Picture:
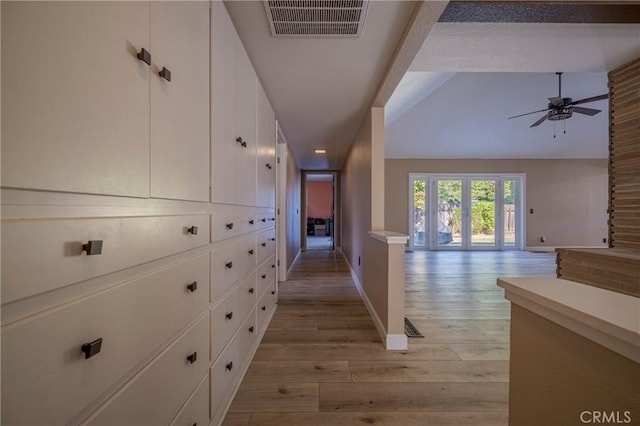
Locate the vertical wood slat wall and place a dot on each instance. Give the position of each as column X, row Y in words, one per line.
column 624, row 156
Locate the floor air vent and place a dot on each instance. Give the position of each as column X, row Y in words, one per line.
column 316, row 18
column 410, row 330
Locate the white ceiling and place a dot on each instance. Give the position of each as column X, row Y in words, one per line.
column 321, row 88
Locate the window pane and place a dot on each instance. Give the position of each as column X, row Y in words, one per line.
column 509, row 212
column 450, row 212
column 419, row 216
column 483, row 212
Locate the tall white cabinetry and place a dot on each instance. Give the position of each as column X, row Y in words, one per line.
column 138, row 232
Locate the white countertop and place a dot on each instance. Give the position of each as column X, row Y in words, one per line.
column 606, row 317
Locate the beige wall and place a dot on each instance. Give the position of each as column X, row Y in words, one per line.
column 569, row 197
column 293, row 208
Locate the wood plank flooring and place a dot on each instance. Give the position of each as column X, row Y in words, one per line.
column 321, row 361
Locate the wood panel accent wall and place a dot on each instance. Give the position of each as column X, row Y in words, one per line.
column 624, row 156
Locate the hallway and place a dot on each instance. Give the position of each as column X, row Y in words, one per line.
column 322, row 362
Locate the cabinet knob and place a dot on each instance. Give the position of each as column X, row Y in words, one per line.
column 264, row 244
column 264, row 276
column 273, row 219
column 229, row 315
column 229, row 366
column 165, row 73
column 144, row 56
column 264, row 308
column 228, row 265
column 273, row 292
column 193, row 230
column 93, row 247
column 264, row 219
column 251, row 329
column 251, row 290
column 273, row 266
column 268, row 166
column 92, row 348
column 272, row 239
column 229, row 226
column 192, row 358
column 193, row 286
column 251, row 251
column 241, row 142
column 251, row 222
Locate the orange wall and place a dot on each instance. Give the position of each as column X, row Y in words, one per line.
column 319, row 195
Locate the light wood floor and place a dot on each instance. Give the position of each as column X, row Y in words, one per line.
column 321, row 361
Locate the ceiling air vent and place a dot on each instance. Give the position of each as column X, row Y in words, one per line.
column 316, row 18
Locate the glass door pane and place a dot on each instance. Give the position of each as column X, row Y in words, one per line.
column 419, row 213
column 483, row 213
column 509, row 213
column 449, row 213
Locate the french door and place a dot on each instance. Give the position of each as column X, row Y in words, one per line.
column 466, row 212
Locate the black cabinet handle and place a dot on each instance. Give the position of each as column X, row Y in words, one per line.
column 229, row 226
column 273, row 266
column 273, row 219
column 193, row 230
column 241, row 142
column 93, row 247
column 251, row 290
column 251, row 251
column 229, row 315
column 264, row 244
column 193, row 286
column 92, row 348
column 264, row 308
column 228, row 265
column 264, row 219
column 272, row 239
column 229, row 366
column 165, row 73
column 251, row 222
column 273, row 292
column 251, row 329
column 269, row 166
column 264, row 276
column 192, row 358
column 144, row 56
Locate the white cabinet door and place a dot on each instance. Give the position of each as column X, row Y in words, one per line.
column 75, row 98
column 233, row 115
column 266, row 159
column 180, row 107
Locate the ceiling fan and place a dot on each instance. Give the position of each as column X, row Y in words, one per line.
column 560, row 108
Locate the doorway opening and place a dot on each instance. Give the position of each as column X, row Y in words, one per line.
column 319, row 225
column 466, row 212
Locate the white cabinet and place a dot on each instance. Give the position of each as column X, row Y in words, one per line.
column 266, row 156
column 75, row 99
column 233, row 115
column 180, row 107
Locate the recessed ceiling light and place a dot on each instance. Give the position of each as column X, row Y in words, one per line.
column 320, row 151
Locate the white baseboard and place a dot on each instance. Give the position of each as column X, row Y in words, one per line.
column 392, row 342
column 550, row 249
column 292, row 263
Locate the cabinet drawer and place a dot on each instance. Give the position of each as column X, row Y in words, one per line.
column 45, row 376
column 155, row 394
column 227, row 316
column 266, row 275
column 230, row 221
column 196, row 409
column 266, row 243
column 231, row 261
column 266, row 304
column 56, row 247
column 225, row 370
column 265, row 219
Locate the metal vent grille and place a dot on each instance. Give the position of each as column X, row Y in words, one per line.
column 316, row 18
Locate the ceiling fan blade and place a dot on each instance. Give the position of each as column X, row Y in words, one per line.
column 528, row 113
column 591, row 99
column 539, row 122
column 585, row 111
column 556, row 101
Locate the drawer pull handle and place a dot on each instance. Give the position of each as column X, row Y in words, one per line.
column 264, row 276
column 273, row 292
column 273, row 266
column 251, row 329
column 241, row 142
column 264, row 308
column 272, row 239
column 251, row 290
column 264, row 244
column 93, row 247
column 251, row 222
column 193, row 286
column 192, row 358
column 264, row 219
column 228, row 265
column 268, row 166
column 165, row 73
column 144, row 56
column 229, row 366
column 229, row 315
column 229, row 225
column 92, row 348
column 193, row 230
column 251, row 251
column 273, row 219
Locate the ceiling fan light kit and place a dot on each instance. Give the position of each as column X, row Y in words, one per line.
column 560, row 108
